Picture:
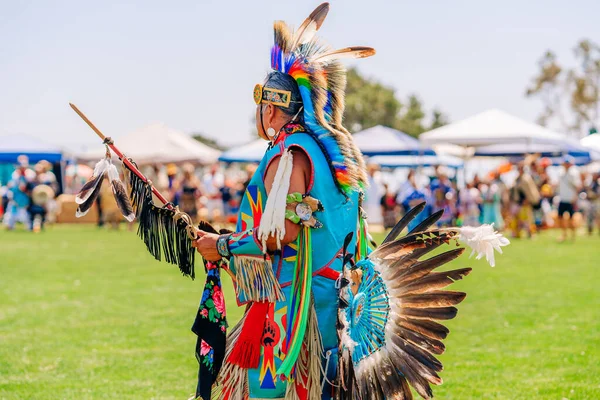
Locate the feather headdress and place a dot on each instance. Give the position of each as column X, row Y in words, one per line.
column 321, row 79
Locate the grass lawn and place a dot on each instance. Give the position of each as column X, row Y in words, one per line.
column 88, row 314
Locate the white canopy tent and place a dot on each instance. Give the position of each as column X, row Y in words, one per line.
column 157, row 143
column 492, row 127
column 249, row 152
column 381, row 140
column 416, row 161
column 592, row 142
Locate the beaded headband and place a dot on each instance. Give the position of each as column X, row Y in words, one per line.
column 277, row 97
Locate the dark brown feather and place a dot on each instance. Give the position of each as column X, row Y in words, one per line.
column 427, row 222
column 440, row 313
column 206, row 227
column 122, row 200
column 426, row 343
column 406, row 389
column 439, row 298
column 423, row 362
column 88, row 188
column 425, row 327
column 409, row 367
column 404, row 221
column 422, row 268
column 86, row 206
column 433, row 281
column 397, row 249
column 389, row 379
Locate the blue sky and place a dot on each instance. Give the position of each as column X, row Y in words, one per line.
column 193, row 64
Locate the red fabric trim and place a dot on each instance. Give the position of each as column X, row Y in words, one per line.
column 329, row 273
column 246, row 350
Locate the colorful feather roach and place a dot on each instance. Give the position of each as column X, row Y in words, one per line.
column 322, row 81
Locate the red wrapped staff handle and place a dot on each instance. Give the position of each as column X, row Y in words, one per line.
column 128, row 163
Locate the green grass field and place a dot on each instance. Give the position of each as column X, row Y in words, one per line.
column 88, row 314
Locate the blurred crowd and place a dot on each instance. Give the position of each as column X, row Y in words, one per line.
column 28, row 196
column 521, row 198
column 212, row 193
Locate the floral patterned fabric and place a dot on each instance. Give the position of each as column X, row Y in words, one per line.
column 211, row 327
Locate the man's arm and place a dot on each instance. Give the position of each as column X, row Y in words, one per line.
column 298, row 183
column 301, row 170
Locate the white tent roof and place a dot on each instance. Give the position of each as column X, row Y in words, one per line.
column 157, row 143
column 416, row 161
column 491, row 127
column 592, row 142
column 250, row 152
column 381, row 140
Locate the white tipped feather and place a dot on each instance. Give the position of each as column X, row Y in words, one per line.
column 310, row 26
column 483, row 240
column 120, row 193
column 272, row 222
column 348, row 52
column 96, row 179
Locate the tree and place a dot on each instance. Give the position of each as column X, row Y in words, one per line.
column 585, row 84
column 438, row 119
column 571, row 98
column 202, row 138
column 411, row 119
column 547, row 86
column 370, row 103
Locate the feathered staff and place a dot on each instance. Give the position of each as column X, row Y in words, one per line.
column 166, row 231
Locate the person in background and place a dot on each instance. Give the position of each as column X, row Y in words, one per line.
column 492, row 195
column 226, row 197
column 389, row 208
column 40, row 193
column 469, row 200
column 188, row 191
column 212, row 182
column 18, row 194
column 524, row 195
column 46, row 176
column 443, row 197
column 406, row 188
column 413, row 197
column 568, row 189
column 171, row 188
column 373, row 195
column 538, row 174
column 592, row 191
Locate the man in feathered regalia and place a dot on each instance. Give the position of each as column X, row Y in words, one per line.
column 326, row 315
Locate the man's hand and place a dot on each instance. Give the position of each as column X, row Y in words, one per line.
column 206, row 244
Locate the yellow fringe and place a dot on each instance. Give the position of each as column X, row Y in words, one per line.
column 308, row 366
column 256, row 280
